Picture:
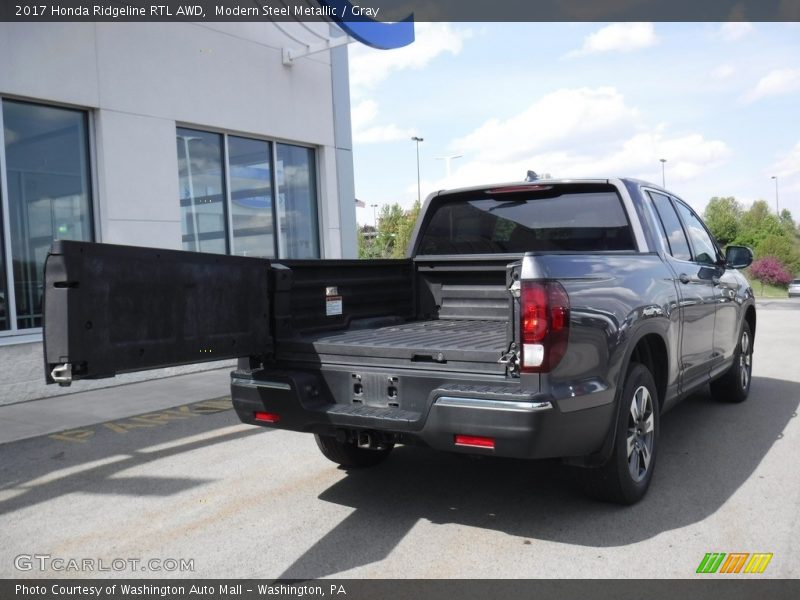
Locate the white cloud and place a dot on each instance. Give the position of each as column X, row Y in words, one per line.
column 618, row 37
column 774, row 83
column 369, row 66
column 723, row 71
column 580, row 133
column 789, row 165
column 363, row 113
column 564, row 118
column 735, row 30
column 382, row 133
column 365, row 131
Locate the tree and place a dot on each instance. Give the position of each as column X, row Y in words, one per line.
column 781, row 247
column 367, row 248
column 771, row 271
column 756, row 224
column 787, row 221
column 393, row 233
column 722, row 216
column 389, row 223
column 405, row 230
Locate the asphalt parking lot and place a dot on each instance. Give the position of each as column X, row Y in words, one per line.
column 191, row 483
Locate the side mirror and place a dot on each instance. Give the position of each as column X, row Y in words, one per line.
column 738, row 257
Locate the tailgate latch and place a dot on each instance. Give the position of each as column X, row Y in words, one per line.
column 62, row 374
column 511, row 360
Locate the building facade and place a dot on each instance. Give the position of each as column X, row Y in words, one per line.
column 173, row 135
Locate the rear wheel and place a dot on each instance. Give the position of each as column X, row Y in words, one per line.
column 734, row 385
column 348, row 455
column 625, row 477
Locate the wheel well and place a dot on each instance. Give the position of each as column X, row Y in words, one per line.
column 651, row 351
column 750, row 317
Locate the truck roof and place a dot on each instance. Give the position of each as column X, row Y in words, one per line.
column 547, row 182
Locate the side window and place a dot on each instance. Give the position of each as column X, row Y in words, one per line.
column 704, row 249
column 678, row 245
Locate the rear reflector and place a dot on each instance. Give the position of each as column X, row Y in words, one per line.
column 475, row 441
column 266, row 417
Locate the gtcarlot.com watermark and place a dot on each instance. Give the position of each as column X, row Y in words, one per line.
column 60, row 564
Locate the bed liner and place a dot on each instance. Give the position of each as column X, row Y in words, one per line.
column 433, row 341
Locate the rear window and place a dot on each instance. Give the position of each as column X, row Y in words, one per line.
column 574, row 218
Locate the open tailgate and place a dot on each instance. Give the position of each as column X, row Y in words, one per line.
column 110, row 309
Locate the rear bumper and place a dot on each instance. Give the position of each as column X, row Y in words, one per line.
column 520, row 425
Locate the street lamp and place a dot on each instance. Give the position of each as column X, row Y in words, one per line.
column 419, row 193
column 663, row 176
column 447, row 160
column 775, row 177
column 374, row 215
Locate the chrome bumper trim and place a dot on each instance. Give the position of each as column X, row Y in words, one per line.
column 252, row 383
column 484, row 404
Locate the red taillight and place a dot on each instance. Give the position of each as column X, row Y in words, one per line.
column 266, row 417
column 474, row 441
column 544, row 325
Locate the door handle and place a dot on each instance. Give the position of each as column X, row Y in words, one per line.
column 684, row 278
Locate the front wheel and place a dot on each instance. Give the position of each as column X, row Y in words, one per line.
column 734, row 385
column 349, row 455
column 625, row 477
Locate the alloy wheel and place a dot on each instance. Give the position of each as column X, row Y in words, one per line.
column 641, row 425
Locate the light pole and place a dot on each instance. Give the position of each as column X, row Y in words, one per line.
column 374, row 216
column 419, row 193
column 777, row 212
column 663, row 175
column 186, row 139
column 447, row 160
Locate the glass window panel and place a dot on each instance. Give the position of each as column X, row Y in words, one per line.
column 295, row 172
column 577, row 219
column 251, row 197
column 47, row 164
column 4, row 314
column 679, row 247
column 704, row 249
column 202, row 198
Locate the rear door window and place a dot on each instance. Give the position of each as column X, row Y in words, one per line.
column 550, row 218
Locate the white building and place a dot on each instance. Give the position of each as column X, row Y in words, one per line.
column 175, row 135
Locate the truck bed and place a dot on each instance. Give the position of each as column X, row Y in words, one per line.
column 433, row 342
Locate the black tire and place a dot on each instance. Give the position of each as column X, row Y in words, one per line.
column 349, row 455
column 734, row 385
column 625, row 477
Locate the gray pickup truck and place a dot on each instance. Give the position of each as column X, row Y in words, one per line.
column 547, row 319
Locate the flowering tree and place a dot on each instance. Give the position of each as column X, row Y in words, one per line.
column 771, row 271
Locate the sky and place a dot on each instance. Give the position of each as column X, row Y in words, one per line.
column 719, row 102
